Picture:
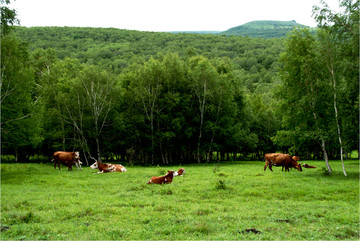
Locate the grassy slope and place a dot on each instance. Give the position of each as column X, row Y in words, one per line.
column 209, row 202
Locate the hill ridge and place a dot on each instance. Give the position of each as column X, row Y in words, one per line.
column 264, row 28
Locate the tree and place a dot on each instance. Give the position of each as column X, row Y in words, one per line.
column 303, row 93
column 339, row 48
column 8, row 18
column 202, row 77
column 55, row 80
column 89, row 103
column 20, row 126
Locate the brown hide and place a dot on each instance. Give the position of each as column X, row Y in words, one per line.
column 280, row 159
column 164, row 179
column 181, row 171
column 107, row 167
column 308, row 166
column 66, row 158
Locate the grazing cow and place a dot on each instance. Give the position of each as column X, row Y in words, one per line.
column 308, row 166
column 67, row 158
column 107, row 167
column 280, row 159
column 290, row 165
column 180, row 172
column 164, row 179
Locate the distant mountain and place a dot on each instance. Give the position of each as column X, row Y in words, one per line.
column 264, row 29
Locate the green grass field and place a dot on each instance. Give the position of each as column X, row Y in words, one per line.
column 210, row 202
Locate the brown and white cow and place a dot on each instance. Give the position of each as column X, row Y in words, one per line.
column 108, row 167
column 180, row 172
column 67, row 158
column 163, row 179
column 280, row 159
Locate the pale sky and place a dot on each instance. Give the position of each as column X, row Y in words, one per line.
column 163, row 15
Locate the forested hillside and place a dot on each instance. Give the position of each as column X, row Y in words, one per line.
column 162, row 98
column 116, row 49
column 264, row 29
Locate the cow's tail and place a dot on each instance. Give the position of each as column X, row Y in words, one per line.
column 52, row 160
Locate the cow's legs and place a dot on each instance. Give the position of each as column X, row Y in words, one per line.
column 77, row 165
column 270, row 167
column 266, row 164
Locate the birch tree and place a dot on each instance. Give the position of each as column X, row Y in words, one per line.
column 304, row 94
column 202, row 76
column 96, row 90
column 338, row 38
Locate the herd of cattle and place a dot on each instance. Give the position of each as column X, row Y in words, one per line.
column 70, row 158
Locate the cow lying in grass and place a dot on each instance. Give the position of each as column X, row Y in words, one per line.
column 180, row 172
column 107, row 167
column 308, row 166
column 283, row 160
column 168, row 178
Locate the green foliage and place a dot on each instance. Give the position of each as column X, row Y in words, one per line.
column 39, row 202
column 315, row 74
column 116, row 49
column 20, row 124
column 8, row 18
column 264, row 29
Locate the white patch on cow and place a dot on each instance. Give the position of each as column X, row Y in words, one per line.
column 176, row 174
column 165, row 180
column 78, row 164
column 77, row 155
column 94, row 166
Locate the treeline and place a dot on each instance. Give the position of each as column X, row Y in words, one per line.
column 163, row 98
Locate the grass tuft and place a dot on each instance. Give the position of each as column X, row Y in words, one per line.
column 220, row 185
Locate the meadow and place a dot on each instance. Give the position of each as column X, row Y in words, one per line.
column 228, row 201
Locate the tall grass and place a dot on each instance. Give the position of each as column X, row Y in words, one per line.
column 238, row 201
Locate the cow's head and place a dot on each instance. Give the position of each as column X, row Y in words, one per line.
column 123, row 169
column 77, row 155
column 95, row 165
column 180, row 172
column 298, row 166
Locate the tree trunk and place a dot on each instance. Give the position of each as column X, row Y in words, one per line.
column 337, row 121
column 326, row 158
column 323, row 145
column 202, row 109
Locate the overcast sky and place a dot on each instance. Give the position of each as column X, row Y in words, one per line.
column 163, row 15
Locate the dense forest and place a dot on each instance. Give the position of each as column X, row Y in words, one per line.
column 164, row 98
